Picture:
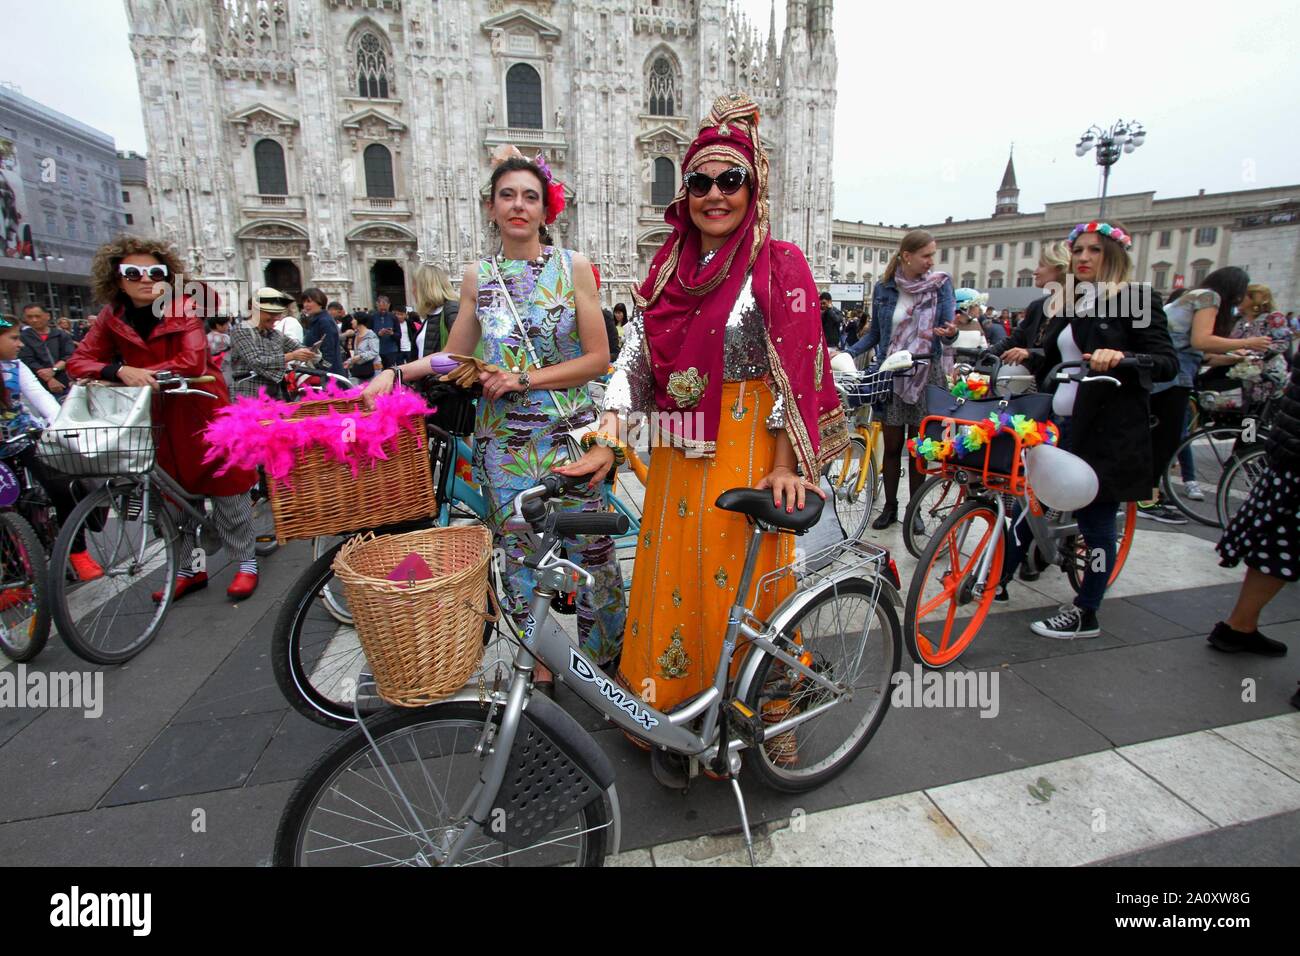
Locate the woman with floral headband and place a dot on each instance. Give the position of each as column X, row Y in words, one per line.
column 539, row 391
column 1105, row 425
column 725, row 351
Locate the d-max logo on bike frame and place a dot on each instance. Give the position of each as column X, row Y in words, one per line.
column 612, row 692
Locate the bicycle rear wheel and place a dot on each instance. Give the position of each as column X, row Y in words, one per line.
column 1237, row 482
column 264, row 541
column 1212, row 451
column 932, row 503
column 1078, row 549
column 852, row 478
column 347, row 811
column 24, row 607
column 848, row 633
column 946, row 605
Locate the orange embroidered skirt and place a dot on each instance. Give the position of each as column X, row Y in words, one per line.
column 691, row 555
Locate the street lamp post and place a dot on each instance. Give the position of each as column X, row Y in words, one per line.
column 1124, row 136
column 49, row 286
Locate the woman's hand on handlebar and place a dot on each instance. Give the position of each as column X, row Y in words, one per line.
column 137, row 377
column 788, row 489
column 1015, row 356
column 1103, row 360
column 381, row 384
column 596, row 462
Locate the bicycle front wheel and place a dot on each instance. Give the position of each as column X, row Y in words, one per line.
column 852, row 478
column 1209, row 452
column 113, row 618
column 24, row 607
column 349, row 811
column 947, row 602
column 931, row 504
column 1237, row 482
column 849, row 634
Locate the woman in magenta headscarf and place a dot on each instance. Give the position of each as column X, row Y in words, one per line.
column 725, row 355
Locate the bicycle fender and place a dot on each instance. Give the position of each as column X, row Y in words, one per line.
column 557, row 724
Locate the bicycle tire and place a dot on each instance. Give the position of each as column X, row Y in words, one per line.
column 854, row 495
column 932, row 513
column 332, row 595
column 1231, row 494
column 1077, row 549
column 1212, row 460
column 142, row 581
column 298, row 823
column 794, row 778
column 21, row 551
column 920, row 645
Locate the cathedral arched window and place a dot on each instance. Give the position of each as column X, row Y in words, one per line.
column 661, row 88
column 268, row 157
column 379, row 172
column 664, row 187
column 372, row 66
column 523, row 97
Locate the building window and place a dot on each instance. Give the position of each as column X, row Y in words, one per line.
column 1024, row 279
column 970, row 253
column 1029, row 248
column 665, row 184
column 851, row 252
column 1206, row 236
column 1200, row 269
column 866, row 255
column 661, row 88
column 997, row 250
column 524, row 97
column 968, row 280
column 379, row 172
column 50, row 225
column 130, row 219
column 82, row 185
column 1160, row 277
column 943, row 255
column 835, row 252
column 268, row 157
column 373, row 70
column 126, row 196
column 995, row 280
column 1166, row 237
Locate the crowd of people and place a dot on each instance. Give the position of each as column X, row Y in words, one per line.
column 717, row 332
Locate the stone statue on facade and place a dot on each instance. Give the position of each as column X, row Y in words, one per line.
column 489, row 111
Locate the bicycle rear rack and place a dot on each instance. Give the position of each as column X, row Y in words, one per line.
column 844, row 559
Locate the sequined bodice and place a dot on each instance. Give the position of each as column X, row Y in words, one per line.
column 744, row 351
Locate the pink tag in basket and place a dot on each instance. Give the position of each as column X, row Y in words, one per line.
column 413, row 568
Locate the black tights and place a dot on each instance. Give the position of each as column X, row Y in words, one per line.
column 895, row 438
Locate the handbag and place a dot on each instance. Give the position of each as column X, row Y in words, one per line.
column 101, row 431
column 942, row 404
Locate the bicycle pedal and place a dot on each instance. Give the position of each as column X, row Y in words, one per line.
column 745, row 723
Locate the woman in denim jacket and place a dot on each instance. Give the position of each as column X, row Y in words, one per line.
column 912, row 308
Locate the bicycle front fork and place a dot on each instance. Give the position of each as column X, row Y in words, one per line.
column 985, row 563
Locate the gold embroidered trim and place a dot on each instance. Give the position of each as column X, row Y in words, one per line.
column 720, row 576
column 674, row 662
column 818, row 366
column 681, row 507
column 677, row 597
column 687, row 387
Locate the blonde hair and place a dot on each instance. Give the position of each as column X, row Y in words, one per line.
column 1057, row 255
column 1260, row 298
column 914, row 241
column 432, row 288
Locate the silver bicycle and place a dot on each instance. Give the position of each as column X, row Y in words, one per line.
column 503, row 776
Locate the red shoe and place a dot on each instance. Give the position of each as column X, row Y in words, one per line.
column 243, row 586
column 86, row 567
column 184, row 586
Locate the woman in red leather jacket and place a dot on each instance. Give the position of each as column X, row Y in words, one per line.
column 133, row 338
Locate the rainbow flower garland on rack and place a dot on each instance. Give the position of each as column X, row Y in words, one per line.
column 970, row 438
column 972, row 387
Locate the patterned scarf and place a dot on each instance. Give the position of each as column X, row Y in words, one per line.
column 916, row 332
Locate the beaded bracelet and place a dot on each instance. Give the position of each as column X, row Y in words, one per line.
column 605, row 441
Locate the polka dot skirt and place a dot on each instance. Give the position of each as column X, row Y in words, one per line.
column 1265, row 532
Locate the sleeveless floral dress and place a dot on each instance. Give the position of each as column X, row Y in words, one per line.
column 519, row 438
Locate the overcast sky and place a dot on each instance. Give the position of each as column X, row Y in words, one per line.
column 931, row 95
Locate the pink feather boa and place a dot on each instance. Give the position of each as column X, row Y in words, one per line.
column 259, row 431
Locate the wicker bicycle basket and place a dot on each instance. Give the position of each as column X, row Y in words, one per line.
column 323, row 497
column 423, row 639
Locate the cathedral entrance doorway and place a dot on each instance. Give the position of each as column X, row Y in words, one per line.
column 388, row 278
column 284, row 275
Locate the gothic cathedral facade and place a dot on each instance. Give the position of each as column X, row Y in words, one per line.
column 340, row 143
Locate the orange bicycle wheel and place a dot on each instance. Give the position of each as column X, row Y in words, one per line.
column 946, row 605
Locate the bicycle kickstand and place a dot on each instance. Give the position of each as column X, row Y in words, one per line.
column 723, row 764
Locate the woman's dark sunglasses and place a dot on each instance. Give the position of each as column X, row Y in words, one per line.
column 729, row 182
column 135, row 273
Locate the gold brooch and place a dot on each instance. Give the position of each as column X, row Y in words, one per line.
column 681, row 507
column 674, row 662
column 687, row 387
column 721, row 578
column 677, row 597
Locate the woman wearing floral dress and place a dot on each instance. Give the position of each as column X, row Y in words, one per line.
column 540, row 392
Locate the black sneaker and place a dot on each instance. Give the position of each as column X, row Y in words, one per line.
column 1001, row 595
column 1225, row 639
column 1159, row 511
column 1068, row 623
column 1028, row 574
